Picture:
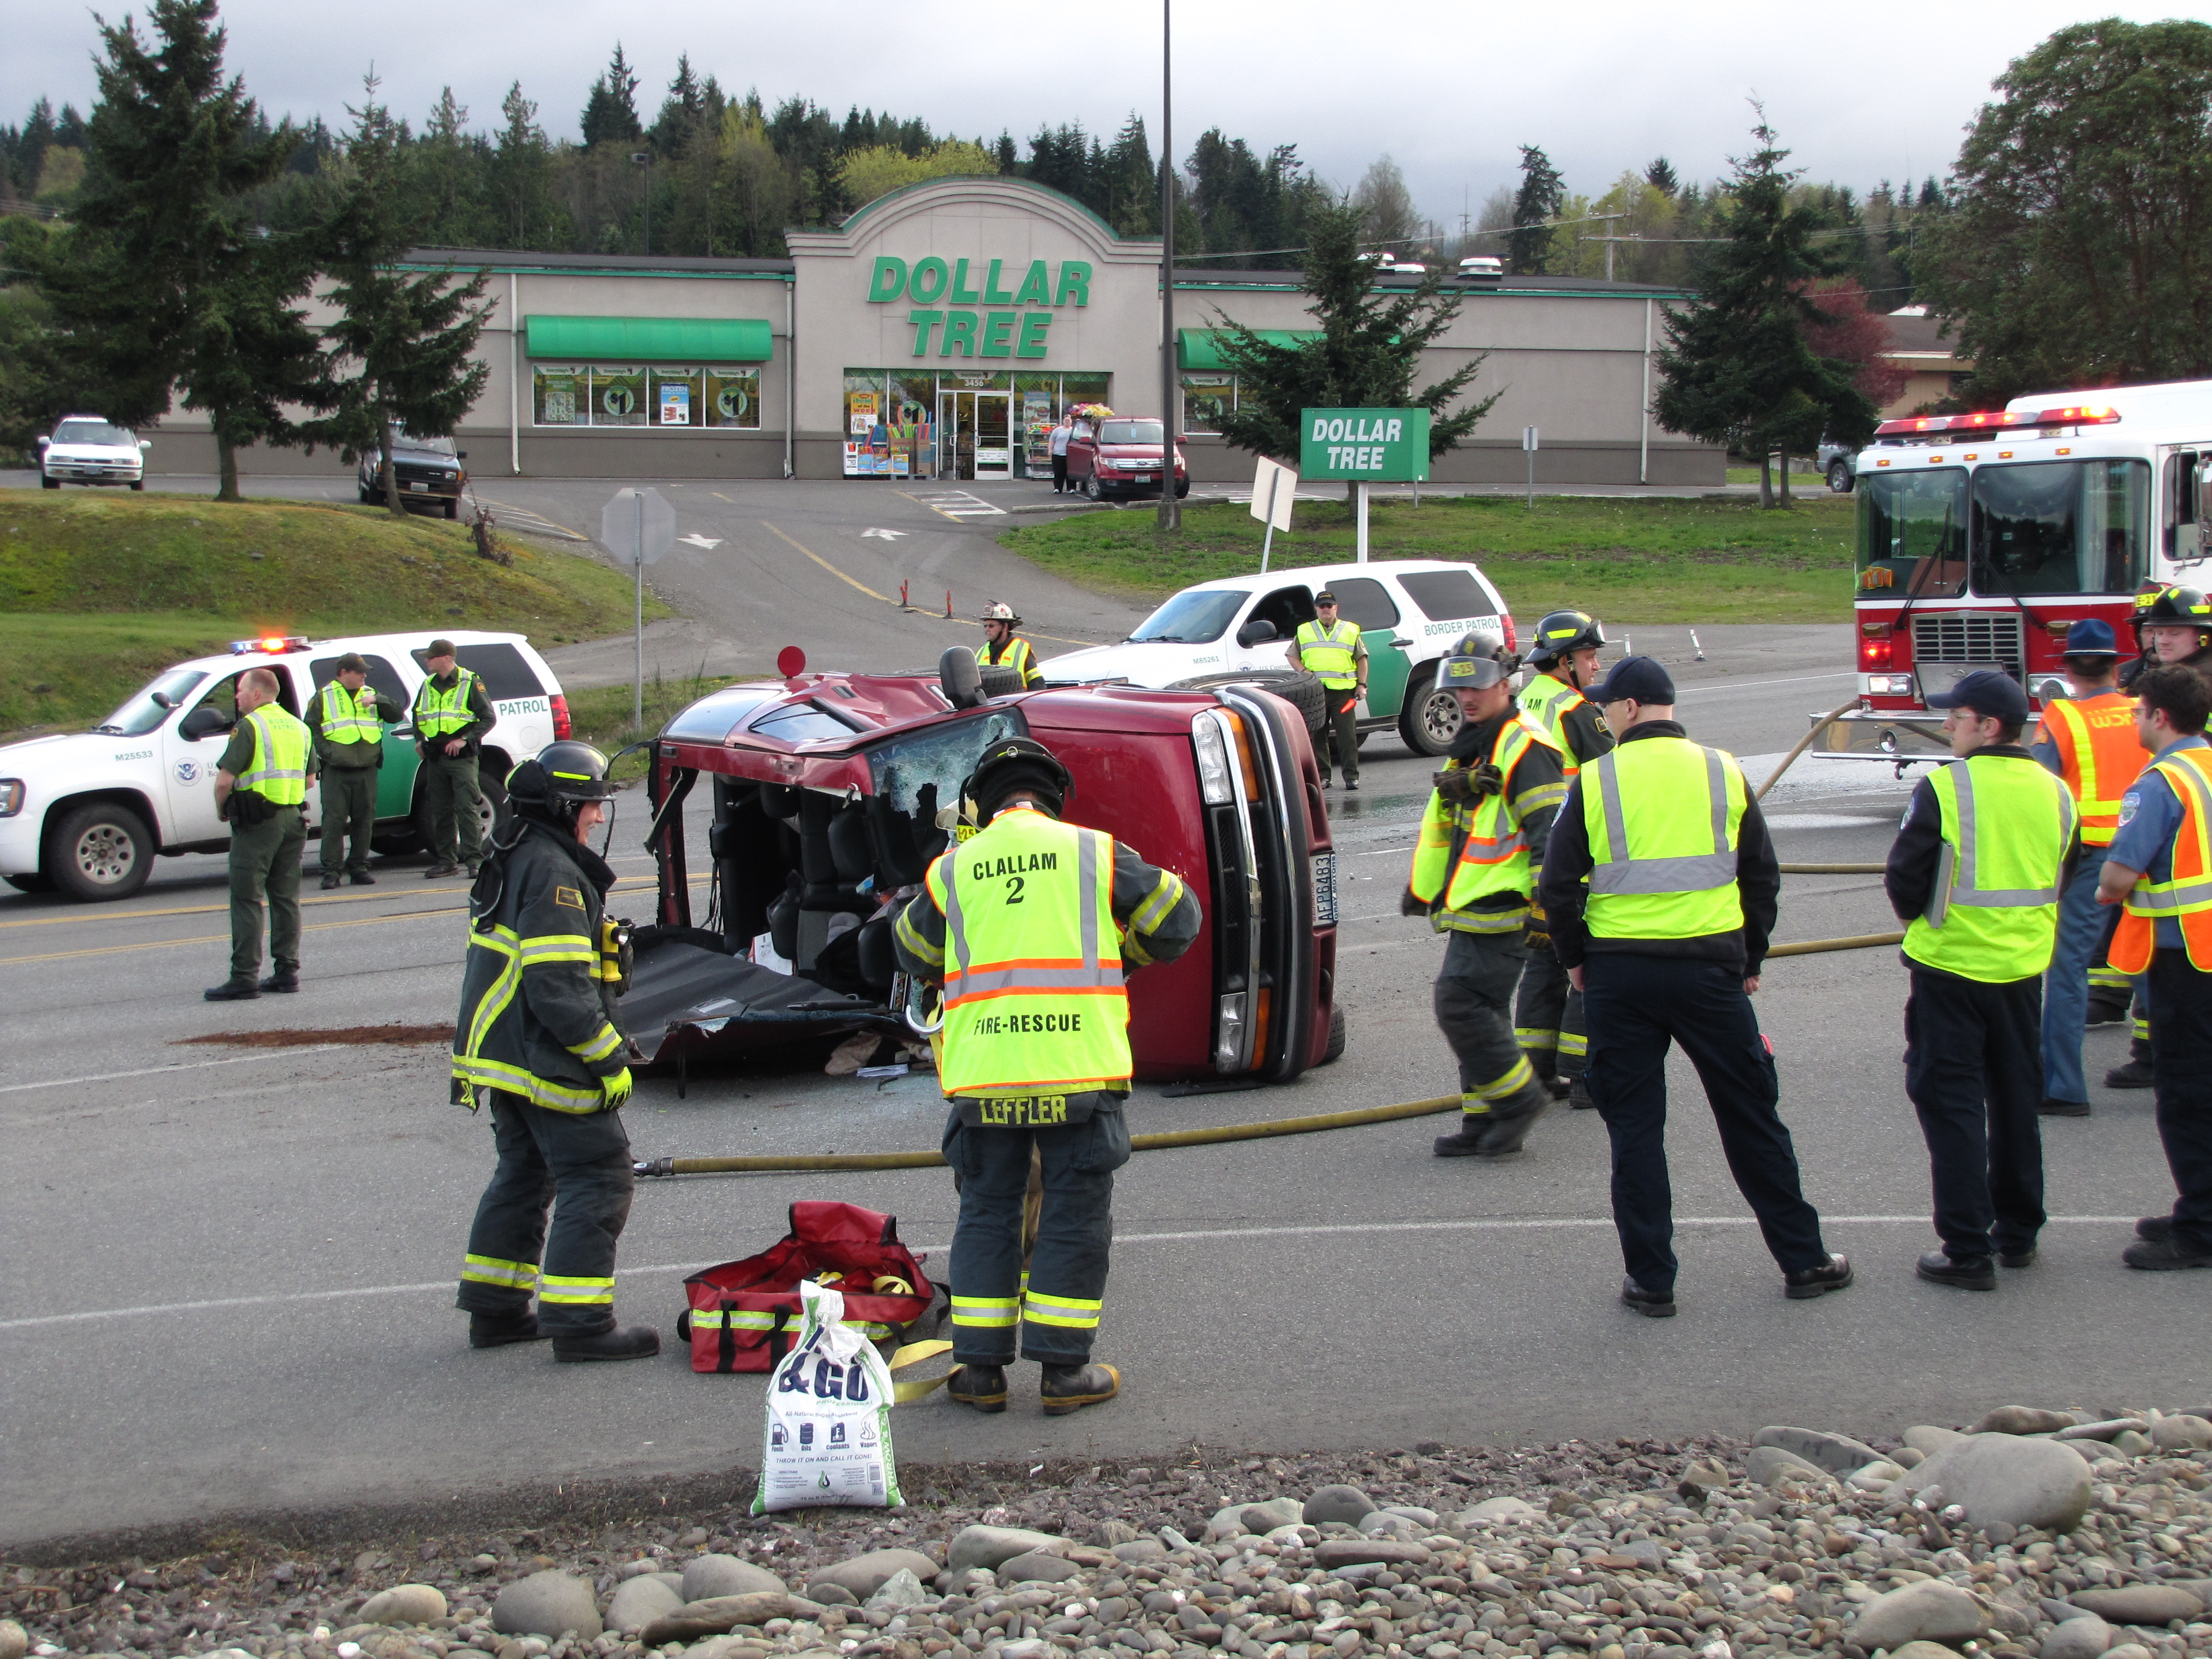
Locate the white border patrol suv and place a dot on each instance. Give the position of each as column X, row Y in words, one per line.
column 1410, row 612
column 85, row 813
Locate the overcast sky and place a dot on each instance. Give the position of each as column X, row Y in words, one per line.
column 1451, row 91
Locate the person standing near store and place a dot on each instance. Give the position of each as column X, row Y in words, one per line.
column 1985, row 850
column 1003, row 648
column 1665, row 946
column 261, row 785
column 1061, row 435
column 2159, row 870
column 348, row 721
column 452, row 713
column 1334, row 651
column 2088, row 738
column 1547, row 1017
column 1032, row 925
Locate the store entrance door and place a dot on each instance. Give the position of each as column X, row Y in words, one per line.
column 975, row 435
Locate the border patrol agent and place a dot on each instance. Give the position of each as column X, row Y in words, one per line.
column 348, row 719
column 2158, row 868
column 261, row 784
column 1547, row 1017
column 452, row 713
column 537, row 1038
column 2088, row 739
column 1002, row 647
column 1666, row 947
column 1335, row 650
column 1032, row 927
column 1475, row 867
column 1984, row 852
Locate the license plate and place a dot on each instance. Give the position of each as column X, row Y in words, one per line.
column 1324, row 889
column 1146, row 478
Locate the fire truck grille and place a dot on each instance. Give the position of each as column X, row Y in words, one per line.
column 1960, row 637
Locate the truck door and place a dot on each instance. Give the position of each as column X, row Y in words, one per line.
column 1366, row 601
column 1284, row 609
column 192, row 745
column 2184, row 531
column 395, row 782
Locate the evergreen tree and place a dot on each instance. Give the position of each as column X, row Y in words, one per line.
column 1529, row 249
column 681, row 113
column 610, row 114
column 521, row 168
column 1660, row 175
column 1005, row 153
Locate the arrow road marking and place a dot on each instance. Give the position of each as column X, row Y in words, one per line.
column 826, row 565
column 703, row 543
column 883, row 535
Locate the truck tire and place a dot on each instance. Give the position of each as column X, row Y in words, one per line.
column 1302, row 691
column 1336, row 1037
column 99, row 852
column 1839, row 477
column 997, row 679
column 1431, row 718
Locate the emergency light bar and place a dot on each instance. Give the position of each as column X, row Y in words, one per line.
column 1998, row 420
column 270, row 647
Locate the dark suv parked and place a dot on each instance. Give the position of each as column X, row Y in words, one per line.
column 427, row 470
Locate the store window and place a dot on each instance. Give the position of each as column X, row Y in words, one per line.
column 1205, row 399
column 661, row 397
column 892, row 419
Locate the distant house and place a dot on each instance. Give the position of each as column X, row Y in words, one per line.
column 1928, row 352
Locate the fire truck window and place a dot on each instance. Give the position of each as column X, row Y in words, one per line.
column 1912, row 533
column 2062, row 528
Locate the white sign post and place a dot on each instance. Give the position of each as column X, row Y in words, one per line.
column 1274, row 491
column 1528, row 443
column 641, row 523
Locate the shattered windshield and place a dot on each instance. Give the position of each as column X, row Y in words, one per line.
column 936, row 760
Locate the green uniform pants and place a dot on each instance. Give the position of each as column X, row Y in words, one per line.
column 449, row 784
column 264, row 861
column 349, row 809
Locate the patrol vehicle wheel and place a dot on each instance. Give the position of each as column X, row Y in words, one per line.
column 99, row 852
column 1431, row 718
column 1839, row 477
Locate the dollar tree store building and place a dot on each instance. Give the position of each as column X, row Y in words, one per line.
column 941, row 331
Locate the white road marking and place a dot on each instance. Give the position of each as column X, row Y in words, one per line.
column 182, row 1066
column 883, row 535
column 1210, row 1235
column 1747, row 685
column 955, row 503
column 704, row 544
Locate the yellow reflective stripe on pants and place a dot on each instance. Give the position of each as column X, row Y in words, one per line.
column 1573, row 1042
column 1070, row 1312
column 986, row 1312
column 1519, row 1076
column 2110, row 979
column 599, row 1047
column 1530, row 1037
column 490, row 1270
column 571, row 1291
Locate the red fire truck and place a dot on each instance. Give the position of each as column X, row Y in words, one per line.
column 1982, row 537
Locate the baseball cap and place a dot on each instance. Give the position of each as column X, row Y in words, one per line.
column 351, row 663
column 1324, row 597
column 2091, row 636
column 440, row 649
column 1992, row 695
column 1640, row 679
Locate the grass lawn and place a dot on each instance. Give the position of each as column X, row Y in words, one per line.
column 1626, row 560
column 98, row 591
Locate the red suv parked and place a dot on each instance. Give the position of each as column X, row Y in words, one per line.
column 1120, row 455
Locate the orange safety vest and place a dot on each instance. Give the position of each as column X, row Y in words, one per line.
column 2186, row 895
column 2099, row 756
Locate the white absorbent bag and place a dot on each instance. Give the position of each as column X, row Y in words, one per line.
column 829, row 1434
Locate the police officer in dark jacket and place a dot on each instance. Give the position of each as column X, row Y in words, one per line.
column 1665, row 945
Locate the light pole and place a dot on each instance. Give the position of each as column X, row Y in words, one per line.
column 1170, row 508
column 644, row 158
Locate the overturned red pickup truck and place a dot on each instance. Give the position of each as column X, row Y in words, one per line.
column 832, row 793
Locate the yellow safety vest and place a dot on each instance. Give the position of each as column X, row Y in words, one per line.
column 348, row 717
column 1494, row 853
column 440, row 714
column 1015, row 654
column 1994, row 917
column 1328, row 653
column 1033, row 995
column 280, row 757
column 1548, row 702
column 1662, row 815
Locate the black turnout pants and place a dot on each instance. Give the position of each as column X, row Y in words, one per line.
column 1637, row 1005
column 578, row 1166
column 1547, row 1017
column 1974, row 1068
column 2181, row 1045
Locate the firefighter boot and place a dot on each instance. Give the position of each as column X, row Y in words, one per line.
column 497, row 1330
column 1071, row 1388
column 983, row 1387
column 1472, row 1125
column 615, row 1342
column 2136, row 1074
column 1510, row 1126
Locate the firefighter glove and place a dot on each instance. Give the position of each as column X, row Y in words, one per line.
column 1454, row 784
column 1538, row 934
column 1412, row 904
column 616, row 1088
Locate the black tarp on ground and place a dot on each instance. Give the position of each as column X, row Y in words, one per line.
column 689, row 998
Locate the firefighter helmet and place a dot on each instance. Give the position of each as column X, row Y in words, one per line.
column 1475, row 663
column 1012, row 763
column 1564, row 632
column 999, row 611
column 559, row 778
column 2171, row 607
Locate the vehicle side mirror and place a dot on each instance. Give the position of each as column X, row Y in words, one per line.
column 204, row 722
column 958, row 672
column 145, row 443
column 1258, row 631
column 460, row 454
column 43, row 442
column 162, row 700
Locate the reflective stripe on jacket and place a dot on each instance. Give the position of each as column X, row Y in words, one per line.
column 2099, row 756
column 1494, row 854
column 1016, row 655
column 349, row 717
column 1661, row 815
column 1328, row 652
column 1546, row 700
column 2007, row 825
column 2186, row 895
column 440, row 714
column 280, row 757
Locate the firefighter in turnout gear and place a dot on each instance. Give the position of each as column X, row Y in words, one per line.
column 537, row 1040
column 1335, row 650
column 261, row 785
column 347, row 720
column 1003, row 648
column 1474, row 874
column 1547, row 1017
column 1031, row 926
column 452, row 713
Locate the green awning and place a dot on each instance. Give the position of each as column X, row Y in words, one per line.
column 1195, row 347
column 699, row 340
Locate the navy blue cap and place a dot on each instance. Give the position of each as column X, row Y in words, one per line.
column 1640, row 679
column 1992, row 695
column 2091, row 636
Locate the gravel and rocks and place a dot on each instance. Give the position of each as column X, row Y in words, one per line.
column 1995, row 1539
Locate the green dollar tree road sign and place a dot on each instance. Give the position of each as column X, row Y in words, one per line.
column 1367, row 446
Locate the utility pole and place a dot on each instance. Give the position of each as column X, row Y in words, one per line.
column 1170, row 508
column 644, row 158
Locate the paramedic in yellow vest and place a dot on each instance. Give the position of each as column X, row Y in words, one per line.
column 1475, row 868
column 1977, row 870
column 1334, row 650
column 2159, row 871
column 346, row 720
column 1003, row 646
column 2088, row 738
column 1665, row 945
column 261, row 785
column 1547, row 1017
column 1032, row 927
column 452, row 713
